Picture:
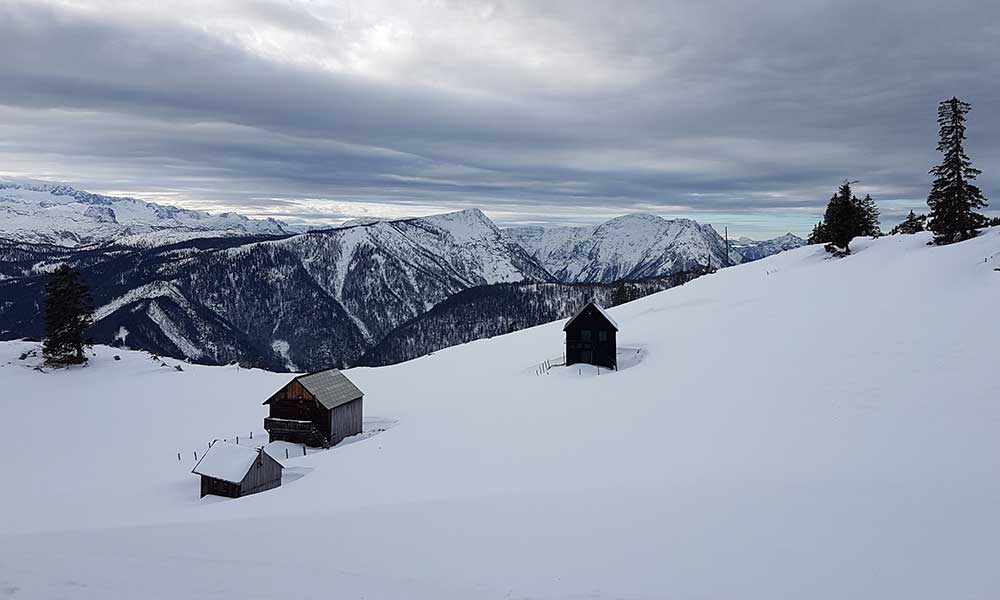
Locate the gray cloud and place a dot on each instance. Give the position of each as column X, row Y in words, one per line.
column 739, row 114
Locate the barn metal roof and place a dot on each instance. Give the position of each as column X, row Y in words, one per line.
column 331, row 387
column 226, row 461
column 599, row 308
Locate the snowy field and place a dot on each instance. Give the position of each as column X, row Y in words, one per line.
column 796, row 428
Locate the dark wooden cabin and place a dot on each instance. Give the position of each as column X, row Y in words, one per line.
column 234, row 471
column 319, row 409
column 590, row 337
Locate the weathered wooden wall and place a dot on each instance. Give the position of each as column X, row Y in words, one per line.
column 296, row 403
column 345, row 420
column 264, row 474
column 218, row 487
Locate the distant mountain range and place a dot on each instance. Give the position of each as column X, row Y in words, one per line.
column 45, row 213
column 636, row 246
column 222, row 288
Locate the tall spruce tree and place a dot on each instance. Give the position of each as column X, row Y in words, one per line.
column 68, row 309
column 841, row 220
column 954, row 198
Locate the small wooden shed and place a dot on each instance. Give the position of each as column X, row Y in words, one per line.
column 233, row 471
column 590, row 337
column 319, row 409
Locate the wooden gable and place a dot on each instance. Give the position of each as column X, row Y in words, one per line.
column 292, row 391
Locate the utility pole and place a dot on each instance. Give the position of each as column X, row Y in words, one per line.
column 727, row 247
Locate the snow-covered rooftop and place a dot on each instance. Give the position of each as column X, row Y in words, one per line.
column 226, row 461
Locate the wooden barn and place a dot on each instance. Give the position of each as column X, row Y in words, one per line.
column 233, row 471
column 590, row 337
column 318, row 409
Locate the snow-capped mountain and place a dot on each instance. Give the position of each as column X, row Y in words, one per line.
column 628, row 247
column 222, row 288
column 45, row 213
column 636, row 246
column 303, row 301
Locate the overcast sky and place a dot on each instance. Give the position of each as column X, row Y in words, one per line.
column 745, row 114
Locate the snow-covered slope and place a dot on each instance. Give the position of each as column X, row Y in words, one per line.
column 634, row 246
column 852, row 454
column 43, row 213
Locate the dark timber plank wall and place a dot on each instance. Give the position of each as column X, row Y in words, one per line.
column 264, row 474
column 345, row 421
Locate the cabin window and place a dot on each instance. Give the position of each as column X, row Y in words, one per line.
column 602, row 336
column 585, row 335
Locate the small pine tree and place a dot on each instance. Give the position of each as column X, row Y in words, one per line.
column 953, row 199
column 846, row 218
column 868, row 217
column 913, row 223
column 818, row 235
column 68, row 310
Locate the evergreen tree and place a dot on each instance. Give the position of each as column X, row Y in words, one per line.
column 868, row 216
column 954, row 198
column 842, row 220
column 618, row 294
column 67, row 316
column 846, row 218
column 913, row 223
column 818, row 235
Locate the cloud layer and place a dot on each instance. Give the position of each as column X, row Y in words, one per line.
column 746, row 114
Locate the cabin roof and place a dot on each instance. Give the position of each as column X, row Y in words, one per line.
column 600, row 309
column 330, row 387
column 227, row 461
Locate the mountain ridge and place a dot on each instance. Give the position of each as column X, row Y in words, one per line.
column 58, row 214
column 635, row 246
column 325, row 297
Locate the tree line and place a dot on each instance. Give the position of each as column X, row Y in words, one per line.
column 953, row 200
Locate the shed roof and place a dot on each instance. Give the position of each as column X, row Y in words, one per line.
column 600, row 309
column 226, row 461
column 330, row 387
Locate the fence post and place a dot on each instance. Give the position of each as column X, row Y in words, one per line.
column 286, row 452
column 178, row 457
column 196, row 455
